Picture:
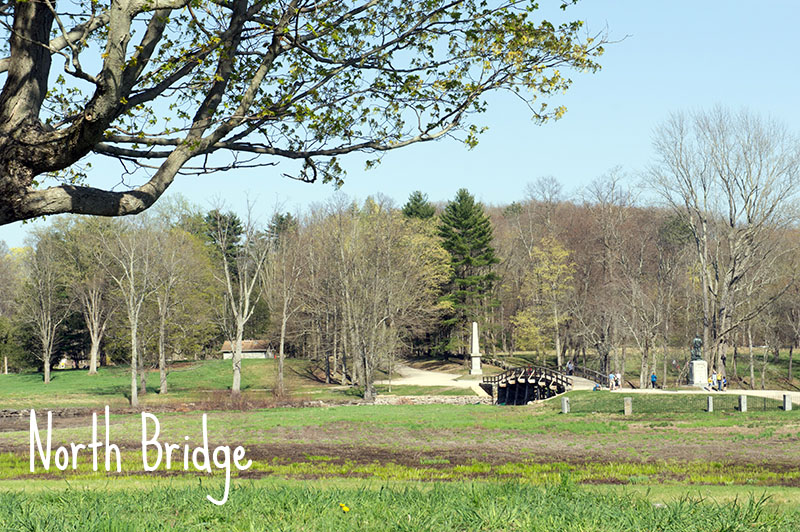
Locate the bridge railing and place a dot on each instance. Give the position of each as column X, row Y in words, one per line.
column 590, row 374
column 578, row 371
column 528, row 372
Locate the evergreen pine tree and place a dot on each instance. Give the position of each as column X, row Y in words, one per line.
column 418, row 206
column 466, row 233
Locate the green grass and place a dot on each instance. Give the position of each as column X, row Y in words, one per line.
column 200, row 381
column 681, row 406
column 111, row 385
column 380, row 507
column 259, row 426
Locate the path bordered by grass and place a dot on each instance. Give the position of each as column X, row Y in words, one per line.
column 202, row 381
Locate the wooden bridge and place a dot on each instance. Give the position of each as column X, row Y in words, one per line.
column 521, row 385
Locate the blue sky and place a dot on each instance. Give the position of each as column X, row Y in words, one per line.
column 673, row 56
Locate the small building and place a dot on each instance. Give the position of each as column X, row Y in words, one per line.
column 250, row 349
column 69, row 363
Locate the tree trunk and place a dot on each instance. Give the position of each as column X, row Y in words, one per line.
column 237, row 359
column 791, row 352
column 344, row 358
column 752, row 360
column 280, row 388
column 134, row 369
column 26, row 81
column 95, row 324
column 93, row 354
column 46, row 353
column 142, row 374
column 705, row 289
column 369, row 389
column 162, row 356
column 559, row 358
column 645, row 365
column 5, row 364
column 335, row 348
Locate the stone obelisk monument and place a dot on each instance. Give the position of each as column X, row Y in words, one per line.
column 475, row 352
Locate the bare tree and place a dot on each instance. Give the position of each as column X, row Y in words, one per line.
column 283, row 272
column 131, row 248
column 389, row 274
column 734, row 177
column 45, row 299
column 174, row 271
column 89, row 281
column 242, row 251
column 9, row 280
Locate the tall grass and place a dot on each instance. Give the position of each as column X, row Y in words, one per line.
column 441, row 507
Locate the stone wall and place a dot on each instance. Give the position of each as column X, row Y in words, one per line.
column 432, row 400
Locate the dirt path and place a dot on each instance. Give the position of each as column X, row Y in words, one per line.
column 422, row 377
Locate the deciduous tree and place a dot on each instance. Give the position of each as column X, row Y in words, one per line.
column 155, row 84
column 735, row 177
column 242, row 252
column 45, row 298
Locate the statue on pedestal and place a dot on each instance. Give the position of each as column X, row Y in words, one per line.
column 698, row 368
column 697, row 346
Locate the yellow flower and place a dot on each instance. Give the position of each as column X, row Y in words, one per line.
column 344, row 507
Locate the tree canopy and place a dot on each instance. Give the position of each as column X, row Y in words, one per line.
column 466, row 233
column 418, row 206
column 157, row 83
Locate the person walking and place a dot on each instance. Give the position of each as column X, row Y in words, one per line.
column 653, row 380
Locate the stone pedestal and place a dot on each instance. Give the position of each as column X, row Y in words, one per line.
column 475, row 369
column 710, row 404
column 627, row 406
column 698, row 373
column 565, row 405
column 742, row 403
column 787, row 401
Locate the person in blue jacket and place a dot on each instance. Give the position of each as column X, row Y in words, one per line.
column 653, row 379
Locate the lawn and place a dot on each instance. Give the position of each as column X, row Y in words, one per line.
column 669, row 466
column 207, row 382
column 382, row 507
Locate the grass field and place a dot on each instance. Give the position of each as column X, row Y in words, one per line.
column 378, row 507
column 669, row 466
column 191, row 382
